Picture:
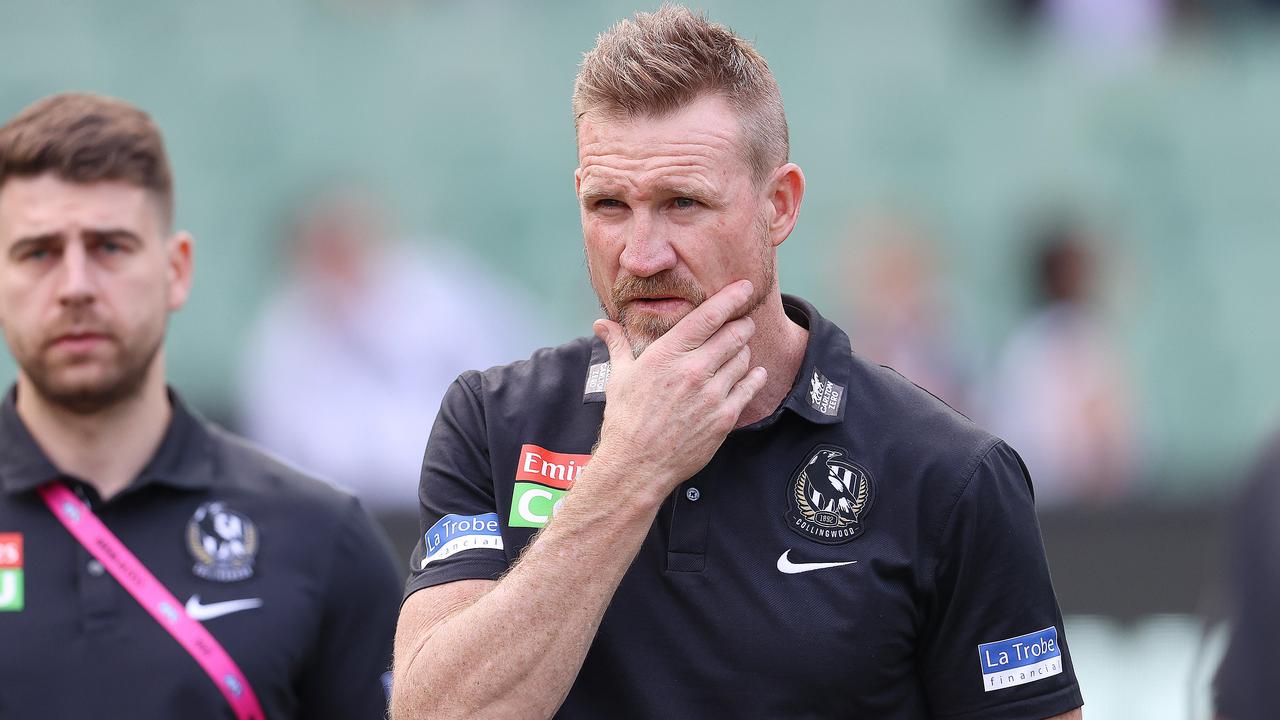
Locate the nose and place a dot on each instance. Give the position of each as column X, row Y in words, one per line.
column 648, row 250
column 76, row 286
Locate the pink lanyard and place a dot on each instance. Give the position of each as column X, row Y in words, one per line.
column 154, row 597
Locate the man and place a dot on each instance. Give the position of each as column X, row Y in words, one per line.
column 151, row 565
column 749, row 521
column 1248, row 673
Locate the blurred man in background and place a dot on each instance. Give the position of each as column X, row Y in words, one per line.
column 1059, row 392
column 900, row 315
column 346, row 366
column 714, row 509
column 151, row 564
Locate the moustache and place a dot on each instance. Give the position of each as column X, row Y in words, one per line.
column 664, row 284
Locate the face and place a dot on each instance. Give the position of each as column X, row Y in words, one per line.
column 88, row 278
column 671, row 214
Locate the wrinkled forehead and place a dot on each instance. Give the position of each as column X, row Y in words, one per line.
column 707, row 129
column 47, row 204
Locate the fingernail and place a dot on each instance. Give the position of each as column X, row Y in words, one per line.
column 601, row 330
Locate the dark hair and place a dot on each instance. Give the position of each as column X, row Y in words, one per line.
column 86, row 138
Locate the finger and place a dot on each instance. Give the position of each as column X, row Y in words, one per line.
column 694, row 329
column 724, row 345
column 611, row 333
column 747, row 387
column 729, row 374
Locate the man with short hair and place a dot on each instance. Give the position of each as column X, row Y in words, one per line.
column 713, row 508
column 151, row 564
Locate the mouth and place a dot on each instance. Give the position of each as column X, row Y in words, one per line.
column 78, row 342
column 660, row 304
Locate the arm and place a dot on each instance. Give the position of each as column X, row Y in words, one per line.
column 668, row 412
column 1069, row 715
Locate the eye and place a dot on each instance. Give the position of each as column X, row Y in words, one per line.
column 605, row 203
column 684, row 203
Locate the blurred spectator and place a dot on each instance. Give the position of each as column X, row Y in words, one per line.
column 899, row 317
column 1059, row 395
column 346, row 367
column 1249, row 671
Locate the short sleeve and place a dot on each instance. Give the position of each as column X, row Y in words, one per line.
column 460, row 532
column 993, row 645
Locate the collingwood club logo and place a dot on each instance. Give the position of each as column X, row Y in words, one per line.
column 223, row 543
column 829, row 497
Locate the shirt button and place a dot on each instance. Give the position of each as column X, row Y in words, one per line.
column 95, row 568
column 693, row 494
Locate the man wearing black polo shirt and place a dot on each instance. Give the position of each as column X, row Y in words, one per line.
column 713, row 509
column 256, row 591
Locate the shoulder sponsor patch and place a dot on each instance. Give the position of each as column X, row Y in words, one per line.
column 1020, row 660
column 542, row 479
column 453, row 534
column 11, row 575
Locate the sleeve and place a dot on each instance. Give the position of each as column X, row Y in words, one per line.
column 460, row 532
column 1248, row 673
column 992, row 644
column 348, row 675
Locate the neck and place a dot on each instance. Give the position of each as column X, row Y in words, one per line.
column 778, row 346
column 107, row 448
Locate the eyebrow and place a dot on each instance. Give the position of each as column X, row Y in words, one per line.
column 94, row 234
column 100, row 234
column 31, row 241
column 590, row 194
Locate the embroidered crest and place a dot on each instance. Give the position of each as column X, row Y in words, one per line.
column 223, row 543
column 829, row 497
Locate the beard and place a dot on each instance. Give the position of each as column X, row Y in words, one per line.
column 88, row 385
column 643, row 329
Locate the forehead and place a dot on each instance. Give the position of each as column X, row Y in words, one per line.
column 701, row 138
column 46, row 204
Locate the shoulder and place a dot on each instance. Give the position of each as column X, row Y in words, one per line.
column 906, row 418
column 251, row 471
column 550, row 373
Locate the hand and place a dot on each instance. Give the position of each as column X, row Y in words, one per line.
column 668, row 411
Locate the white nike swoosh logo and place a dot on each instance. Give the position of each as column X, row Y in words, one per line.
column 785, row 565
column 218, row 609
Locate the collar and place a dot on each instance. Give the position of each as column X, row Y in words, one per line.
column 183, row 460
column 820, row 391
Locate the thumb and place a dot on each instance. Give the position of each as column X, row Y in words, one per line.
column 611, row 333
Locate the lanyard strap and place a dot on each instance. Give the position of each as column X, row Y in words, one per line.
column 153, row 597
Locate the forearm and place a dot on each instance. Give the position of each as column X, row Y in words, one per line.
column 516, row 650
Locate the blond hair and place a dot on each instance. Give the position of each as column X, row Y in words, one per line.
column 656, row 63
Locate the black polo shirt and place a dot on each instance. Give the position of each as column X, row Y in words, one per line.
column 289, row 574
column 864, row 552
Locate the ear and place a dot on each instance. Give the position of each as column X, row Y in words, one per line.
column 179, row 268
column 577, row 182
column 784, row 192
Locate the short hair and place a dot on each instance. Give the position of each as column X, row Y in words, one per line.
column 86, row 138
column 656, row 63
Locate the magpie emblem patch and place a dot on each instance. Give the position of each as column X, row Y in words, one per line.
column 829, row 497
column 223, row 542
